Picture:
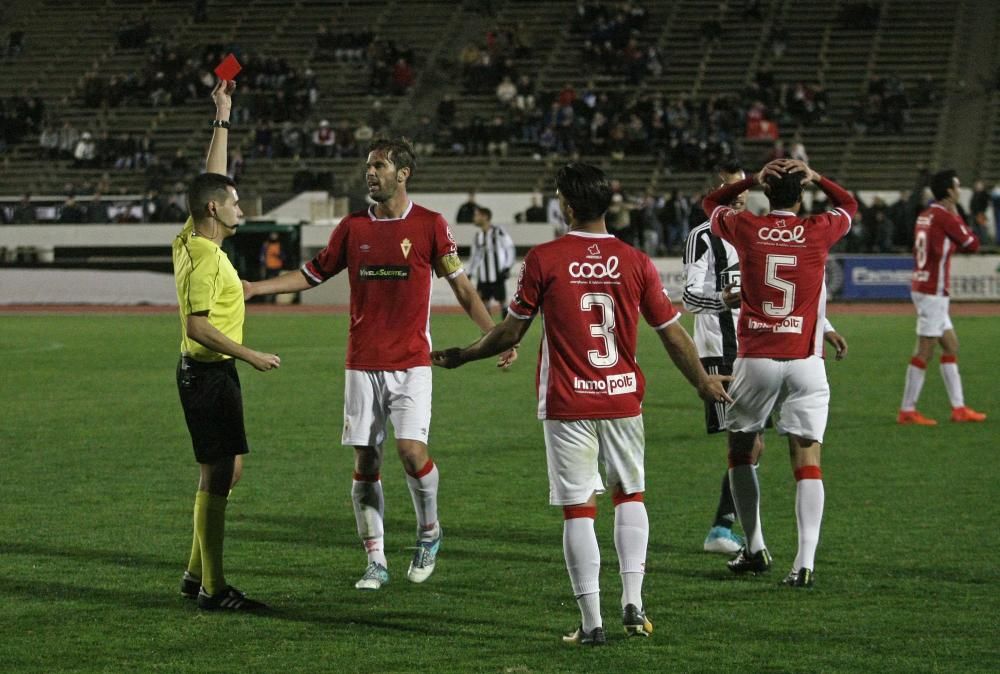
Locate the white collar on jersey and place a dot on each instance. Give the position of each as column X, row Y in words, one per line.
column 937, row 205
column 591, row 235
column 776, row 212
column 371, row 213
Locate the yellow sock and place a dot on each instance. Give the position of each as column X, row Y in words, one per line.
column 194, row 562
column 210, row 529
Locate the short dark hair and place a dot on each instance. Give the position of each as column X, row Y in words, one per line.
column 398, row 150
column 207, row 187
column 485, row 211
column 587, row 190
column 784, row 191
column 729, row 166
column 941, row 182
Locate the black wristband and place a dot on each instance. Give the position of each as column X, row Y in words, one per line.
column 220, row 124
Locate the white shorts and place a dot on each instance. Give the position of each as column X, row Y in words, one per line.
column 932, row 314
column 373, row 397
column 797, row 389
column 573, row 449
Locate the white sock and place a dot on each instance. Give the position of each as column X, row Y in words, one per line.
column 809, row 499
column 631, row 539
column 952, row 382
column 369, row 512
column 583, row 562
column 424, row 490
column 915, row 373
column 590, row 611
column 746, row 496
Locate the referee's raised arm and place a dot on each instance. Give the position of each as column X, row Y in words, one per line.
column 217, row 160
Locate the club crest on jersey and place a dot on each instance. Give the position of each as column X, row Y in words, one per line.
column 406, row 246
column 594, row 253
column 595, row 270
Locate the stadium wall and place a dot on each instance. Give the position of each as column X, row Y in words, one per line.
column 850, row 278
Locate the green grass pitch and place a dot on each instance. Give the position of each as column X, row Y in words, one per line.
column 97, row 482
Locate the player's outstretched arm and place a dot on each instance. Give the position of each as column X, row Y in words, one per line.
column 503, row 337
column 218, row 158
column 289, row 282
column 473, row 305
column 683, row 353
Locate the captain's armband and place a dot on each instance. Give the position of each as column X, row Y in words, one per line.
column 448, row 264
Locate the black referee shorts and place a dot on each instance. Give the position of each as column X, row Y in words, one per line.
column 492, row 291
column 213, row 408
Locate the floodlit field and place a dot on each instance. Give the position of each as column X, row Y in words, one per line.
column 97, row 482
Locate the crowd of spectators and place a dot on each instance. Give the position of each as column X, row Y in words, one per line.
column 488, row 61
column 883, row 108
column 123, row 151
column 20, row 116
column 613, row 40
column 270, row 89
column 660, row 223
column 390, row 67
column 97, row 203
column 690, row 134
column 342, row 45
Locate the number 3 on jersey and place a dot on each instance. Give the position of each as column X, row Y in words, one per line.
column 604, row 330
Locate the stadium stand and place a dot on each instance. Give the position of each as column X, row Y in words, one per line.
column 883, row 76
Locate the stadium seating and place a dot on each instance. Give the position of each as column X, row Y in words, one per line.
column 67, row 40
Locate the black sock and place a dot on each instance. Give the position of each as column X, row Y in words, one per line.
column 725, row 515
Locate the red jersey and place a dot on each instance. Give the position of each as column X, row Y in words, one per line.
column 937, row 234
column 389, row 263
column 782, row 267
column 590, row 289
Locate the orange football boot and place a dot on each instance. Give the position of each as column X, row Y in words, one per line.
column 963, row 414
column 915, row 418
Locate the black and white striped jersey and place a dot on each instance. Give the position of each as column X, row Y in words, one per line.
column 710, row 264
column 492, row 254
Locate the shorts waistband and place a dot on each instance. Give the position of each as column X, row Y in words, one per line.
column 194, row 364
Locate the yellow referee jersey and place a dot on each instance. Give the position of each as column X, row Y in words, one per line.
column 206, row 281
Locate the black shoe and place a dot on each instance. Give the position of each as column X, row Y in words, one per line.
column 580, row 638
column 635, row 622
column 801, row 578
column 229, row 599
column 190, row 586
column 759, row 562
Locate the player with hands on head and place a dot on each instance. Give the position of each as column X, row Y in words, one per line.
column 210, row 299
column 712, row 294
column 390, row 252
column 590, row 289
column 779, row 364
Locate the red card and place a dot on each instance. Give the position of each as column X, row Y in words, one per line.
column 228, row 69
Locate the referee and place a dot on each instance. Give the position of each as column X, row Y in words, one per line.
column 490, row 259
column 210, row 299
